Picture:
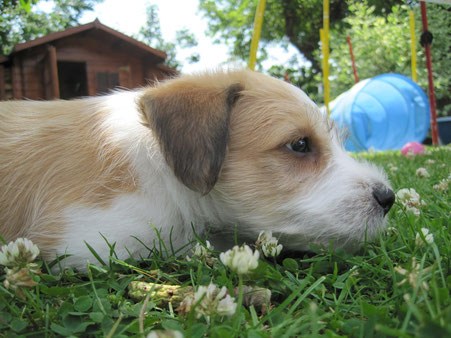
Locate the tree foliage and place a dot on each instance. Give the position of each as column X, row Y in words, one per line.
column 382, row 45
column 385, row 42
column 286, row 21
column 21, row 21
column 379, row 32
column 151, row 34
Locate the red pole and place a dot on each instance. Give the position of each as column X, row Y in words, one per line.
column 287, row 77
column 432, row 104
column 354, row 69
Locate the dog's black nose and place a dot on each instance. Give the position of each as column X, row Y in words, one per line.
column 385, row 197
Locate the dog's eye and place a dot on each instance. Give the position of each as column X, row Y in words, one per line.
column 300, row 146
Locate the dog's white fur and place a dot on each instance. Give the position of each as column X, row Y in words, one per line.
column 72, row 170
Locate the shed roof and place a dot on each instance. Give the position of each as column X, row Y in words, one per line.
column 158, row 55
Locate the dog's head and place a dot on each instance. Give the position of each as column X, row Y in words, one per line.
column 265, row 156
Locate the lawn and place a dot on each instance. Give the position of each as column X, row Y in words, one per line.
column 396, row 286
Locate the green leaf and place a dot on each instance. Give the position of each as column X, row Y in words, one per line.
column 96, row 316
column 18, row 324
column 352, row 326
column 26, row 4
column 106, row 324
column 369, row 310
column 72, row 322
column 104, row 303
column 83, row 303
column 82, row 326
column 60, row 330
column 5, row 317
column 290, row 264
column 172, row 325
column 76, row 324
column 339, row 285
column 56, row 290
column 198, row 330
column 65, row 309
column 254, row 334
column 443, row 295
column 221, row 331
column 50, row 278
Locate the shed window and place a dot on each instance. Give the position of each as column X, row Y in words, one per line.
column 106, row 81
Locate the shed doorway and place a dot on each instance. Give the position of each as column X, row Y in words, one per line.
column 72, row 79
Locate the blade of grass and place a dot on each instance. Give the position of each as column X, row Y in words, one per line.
column 284, row 304
column 115, row 326
column 305, row 294
column 118, row 261
column 95, row 254
column 99, row 302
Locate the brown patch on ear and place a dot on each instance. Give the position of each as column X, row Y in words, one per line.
column 191, row 122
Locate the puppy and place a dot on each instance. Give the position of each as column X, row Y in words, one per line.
column 220, row 149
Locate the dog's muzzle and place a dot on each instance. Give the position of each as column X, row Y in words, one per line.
column 384, row 197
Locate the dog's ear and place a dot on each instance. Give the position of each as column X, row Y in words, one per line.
column 191, row 122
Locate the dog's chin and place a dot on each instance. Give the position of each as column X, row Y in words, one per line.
column 346, row 236
column 297, row 240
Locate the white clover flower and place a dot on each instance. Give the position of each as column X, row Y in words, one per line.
column 392, row 167
column 226, row 306
column 422, row 172
column 443, row 185
column 354, row 271
column 313, row 307
column 392, row 230
column 413, row 210
column 241, row 260
column 410, row 154
column 165, row 334
column 206, row 290
column 269, row 244
column 211, row 301
column 430, row 161
column 271, row 249
column 202, row 251
column 427, row 236
column 18, row 253
column 410, row 200
column 413, row 276
column 19, row 277
column 407, row 194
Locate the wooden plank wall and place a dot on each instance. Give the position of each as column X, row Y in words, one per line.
column 33, row 73
column 2, row 83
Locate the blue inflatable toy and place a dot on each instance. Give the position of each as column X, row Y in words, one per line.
column 384, row 112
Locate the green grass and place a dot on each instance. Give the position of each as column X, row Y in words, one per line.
column 324, row 293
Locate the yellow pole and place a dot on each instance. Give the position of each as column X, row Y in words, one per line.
column 323, row 65
column 412, row 47
column 325, row 43
column 256, row 35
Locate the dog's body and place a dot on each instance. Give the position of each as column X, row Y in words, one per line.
column 218, row 149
